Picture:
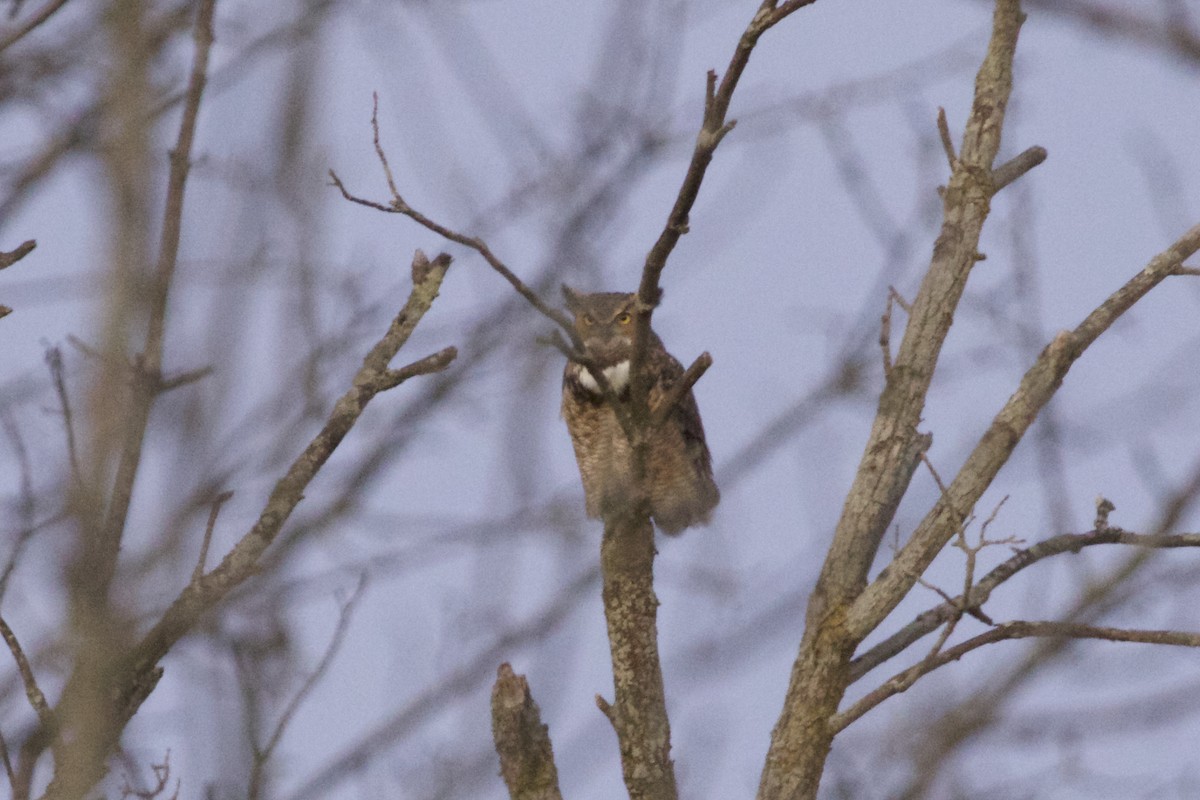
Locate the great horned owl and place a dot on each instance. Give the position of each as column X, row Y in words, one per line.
column 678, row 467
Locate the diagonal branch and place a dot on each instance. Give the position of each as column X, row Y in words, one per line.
column 28, row 26
column 1037, row 387
column 399, row 206
column 667, row 404
column 713, row 128
column 928, row 621
column 33, row 692
column 802, row 737
column 1002, row 632
column 10, row 258
column 242, row 561
column 7, row 259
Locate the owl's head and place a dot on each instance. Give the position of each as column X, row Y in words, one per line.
column 604, row 322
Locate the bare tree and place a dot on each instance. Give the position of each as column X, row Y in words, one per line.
column 184, row 510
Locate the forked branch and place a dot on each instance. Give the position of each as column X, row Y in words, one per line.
column 398, row 205
column 1038, row 385
column 928, row 621
column 1002, row 632
column 242, row 562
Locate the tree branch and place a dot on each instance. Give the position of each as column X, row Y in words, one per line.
column 37, row 700
column 639, row 711
column 1002, row 632
column 1037, row 387
column 44, row 13
column 242, row 561
column 399, row 206
column 928, row 621
column 428, row 365
column 101, row 553
column 801, row 739
column 1017, row 166
column 522, row 741
column 91, row 721
column 13, row 256
column 713, row 129
column 213, row 512
column 695, row 372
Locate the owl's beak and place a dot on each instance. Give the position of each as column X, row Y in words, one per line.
column 606, row 347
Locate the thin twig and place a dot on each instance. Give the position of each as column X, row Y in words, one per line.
column 885, row 337
column 947, row 142
column 44, row 13
column 622, row 410
column 183, row 379
column 933, row 471
column 680, row 389
column 32, row 691
column 428, row 365
column 162, row 776
column 1104, row 507
column 399, row 206
column 387, row 169
column 12, row 257
column 213, row 512
column 263, row 754
column 55, row 362
column 26, row 503
column 8, row 767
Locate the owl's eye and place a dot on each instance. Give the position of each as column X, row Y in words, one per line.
column 587, row 320
column 624, row 318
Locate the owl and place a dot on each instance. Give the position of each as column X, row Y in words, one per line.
column 678, row 466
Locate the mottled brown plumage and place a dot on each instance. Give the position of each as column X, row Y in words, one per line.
column 678, row 469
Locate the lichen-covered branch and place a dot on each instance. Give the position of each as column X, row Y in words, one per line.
column 802, row 737
column 1036, row 388
column 242, row 561
column 522, row 741
column 639, row 712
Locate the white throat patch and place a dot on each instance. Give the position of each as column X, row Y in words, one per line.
column 617, row 376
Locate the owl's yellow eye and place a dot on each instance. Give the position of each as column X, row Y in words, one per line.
column 624, row 318
column 586, row 319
